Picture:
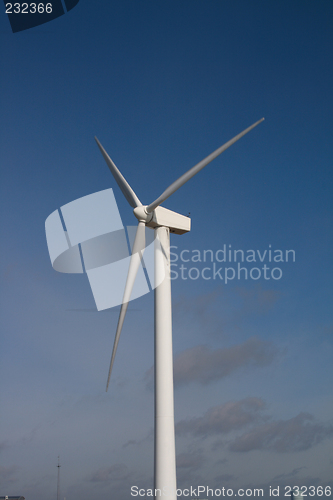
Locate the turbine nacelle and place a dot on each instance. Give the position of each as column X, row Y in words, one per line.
column 177, row 223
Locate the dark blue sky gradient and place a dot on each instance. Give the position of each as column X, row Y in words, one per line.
column 162, row 85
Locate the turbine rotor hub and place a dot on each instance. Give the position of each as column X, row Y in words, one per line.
column 142, row 215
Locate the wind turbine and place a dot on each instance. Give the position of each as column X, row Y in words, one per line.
column 163, row 221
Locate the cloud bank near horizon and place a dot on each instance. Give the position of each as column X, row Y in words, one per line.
column 204, row 365
column 298, row 433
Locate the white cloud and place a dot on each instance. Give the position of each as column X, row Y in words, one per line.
column 204, row 365
column 295, row 434
column 223, row 419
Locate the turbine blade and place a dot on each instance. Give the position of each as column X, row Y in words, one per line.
column 138, row 249
column 194, row 170
column 126, row 189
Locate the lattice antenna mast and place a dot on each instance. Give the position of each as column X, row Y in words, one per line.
column 58, row 482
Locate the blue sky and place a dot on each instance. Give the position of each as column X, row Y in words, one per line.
column 162, row 85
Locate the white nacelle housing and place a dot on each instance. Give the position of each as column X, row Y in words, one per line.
column 177, row 223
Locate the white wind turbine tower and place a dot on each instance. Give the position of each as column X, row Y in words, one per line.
column 163, row 221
